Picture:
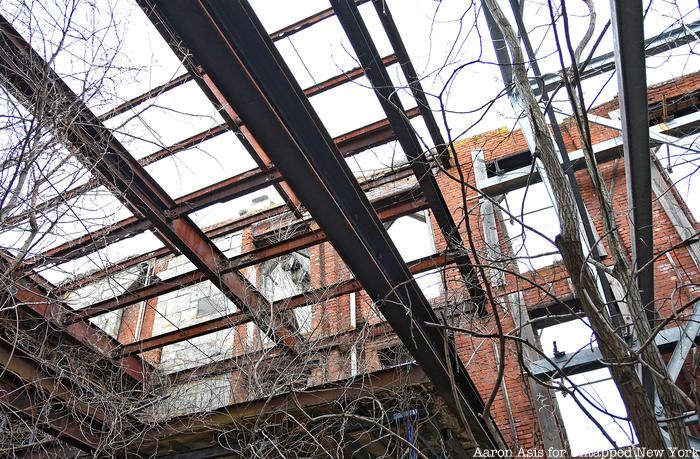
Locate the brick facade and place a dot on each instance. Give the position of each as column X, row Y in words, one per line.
column 514, row 408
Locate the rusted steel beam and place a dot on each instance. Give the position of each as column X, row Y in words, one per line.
column 30, row 78
column 215, row 231
column 25, row 401
column 303, row 299
column 353, row 142
column 158, row 90
column 25, row 367
column 350, row 75
column 32, row 297
column 306, row 23
column 366, row 51
column 184, row 144
column 319, row 295
column 376, row 384
column 250, row 142
column 369, row 136
column 406, row 203
column 284, row 32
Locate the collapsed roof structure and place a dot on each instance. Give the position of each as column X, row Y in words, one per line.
column 392, row 311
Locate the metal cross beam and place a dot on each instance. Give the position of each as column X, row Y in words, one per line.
column 349, row 144
column 663, row 42
column 405, row 203
column 215, row 231
column 32, row 81
column 231, row 45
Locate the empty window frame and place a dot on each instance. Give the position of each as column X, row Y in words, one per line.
column 285, row 277
column 413, row 237
column 207, row 306
column 282, row 278
column 394, row 356
column 681, row 164
column 531, row 223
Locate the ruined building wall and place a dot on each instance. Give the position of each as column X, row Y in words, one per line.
column 349, row 333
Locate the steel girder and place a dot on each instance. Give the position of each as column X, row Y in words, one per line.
column 26, row 74
column 231, row 44
column 234, row 187
column 405, row 203
column 28, row 390
column 632, row 83
column 214, row 232
column 29, row 293
column 414, row 83
column 628, row 29
column 349, row 16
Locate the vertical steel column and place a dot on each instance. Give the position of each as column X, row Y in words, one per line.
column 628, row 29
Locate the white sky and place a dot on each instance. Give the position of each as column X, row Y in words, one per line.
column 438, row 35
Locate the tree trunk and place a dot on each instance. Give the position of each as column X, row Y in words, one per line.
column 614, row 349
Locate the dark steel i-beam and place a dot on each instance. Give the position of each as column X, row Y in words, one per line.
column 231, row 45
column 414, row 83
column 30, row 79
column 360, row 38
column 627, row 18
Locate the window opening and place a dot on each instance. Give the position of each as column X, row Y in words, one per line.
column 413, row 237
column 531, row 223
column 507, row 164
column 393, row 356
column 207, row 306
column 287, row 276
column 282, row 278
